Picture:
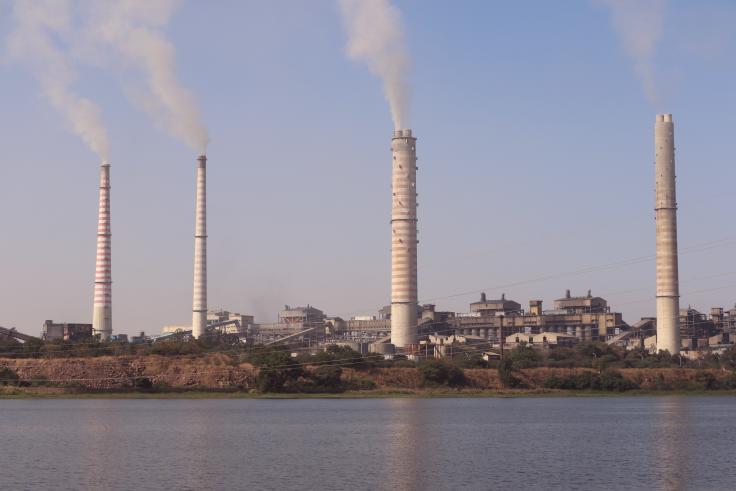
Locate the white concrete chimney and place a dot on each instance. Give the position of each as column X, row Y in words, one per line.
column 668, row 290
column 199, row 305
column 404, row 240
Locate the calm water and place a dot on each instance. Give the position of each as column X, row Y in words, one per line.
column 545, row 443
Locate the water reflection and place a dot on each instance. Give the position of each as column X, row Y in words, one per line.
column 404, row 454
column 671, row 442
column 97, row 447
column 199, row 426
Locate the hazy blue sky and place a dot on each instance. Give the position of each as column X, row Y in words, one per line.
column 535, row 153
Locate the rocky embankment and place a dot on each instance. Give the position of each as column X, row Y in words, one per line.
column 211, row 371
column 220, row 372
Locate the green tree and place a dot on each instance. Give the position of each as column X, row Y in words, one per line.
column 439, row 372
column 506, row 373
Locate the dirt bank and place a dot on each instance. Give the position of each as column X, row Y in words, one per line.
column 217, row 371
column 213, row 371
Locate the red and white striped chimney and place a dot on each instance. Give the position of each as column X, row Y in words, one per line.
column 199, row 305
column 102, row 310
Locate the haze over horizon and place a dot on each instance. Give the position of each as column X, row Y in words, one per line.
column 535, row 142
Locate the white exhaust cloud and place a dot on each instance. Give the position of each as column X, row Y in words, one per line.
column 376, row 37
column 639, row 24
column 133, row 29
column 35, row 42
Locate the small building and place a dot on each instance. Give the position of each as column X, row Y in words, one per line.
column 491, row 356
column 554, row 339
column 542, row 340
column 66, row 331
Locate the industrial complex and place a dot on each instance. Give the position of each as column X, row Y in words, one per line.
column 407, row 327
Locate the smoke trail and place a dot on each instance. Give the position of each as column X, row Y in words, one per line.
column 133, row 28
column 376, row 37
column 639, row 23
column 32, row 42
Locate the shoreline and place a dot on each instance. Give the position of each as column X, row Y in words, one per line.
column 449, row 394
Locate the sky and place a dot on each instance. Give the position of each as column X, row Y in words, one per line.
column 535, row 146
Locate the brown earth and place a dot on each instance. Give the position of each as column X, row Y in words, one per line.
column 217, row 371
column 211, row 371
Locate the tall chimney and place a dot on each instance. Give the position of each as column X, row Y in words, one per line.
column 668, row 290
column 102, row 306
column 199, row 305
column 404, row 240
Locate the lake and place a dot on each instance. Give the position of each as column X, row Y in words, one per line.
column 584, row 443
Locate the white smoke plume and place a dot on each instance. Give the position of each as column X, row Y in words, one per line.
column 376, row 37
column 35, row 41
column 133, row 29
column 640, row 24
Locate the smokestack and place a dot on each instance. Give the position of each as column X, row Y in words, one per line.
column 199, row 305
column 404, row 240
column 102, row 308
column 668, row 290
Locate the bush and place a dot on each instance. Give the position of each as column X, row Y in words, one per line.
column 438, row 372
column 706, row 381
column 360, row 383
column 506, row 374
column 524, row 357
column 612, row 380
column 343, row 356
column 8, row 376
column 144, row 383
column 328, row 378
column 276, row 369
column 608, row 380
column 175, row 347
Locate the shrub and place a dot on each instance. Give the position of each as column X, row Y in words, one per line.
column 608, row 380
column 438, row 372
column 524, row 357
column 8, row 376
column 360, row 383
column 276, row 369
column 612, row 380
column 142, row 383
column 344, row 356
column 707, row 381
column 505, row 373
column 328, row 378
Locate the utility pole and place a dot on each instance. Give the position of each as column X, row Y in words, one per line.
column 502, row 336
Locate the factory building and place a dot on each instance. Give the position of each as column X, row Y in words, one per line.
column 303, row 316
column 695, row 325
column 502, row 306
column 585, row 317
column 724, row 320
column 223, row 321
column 65, row 331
